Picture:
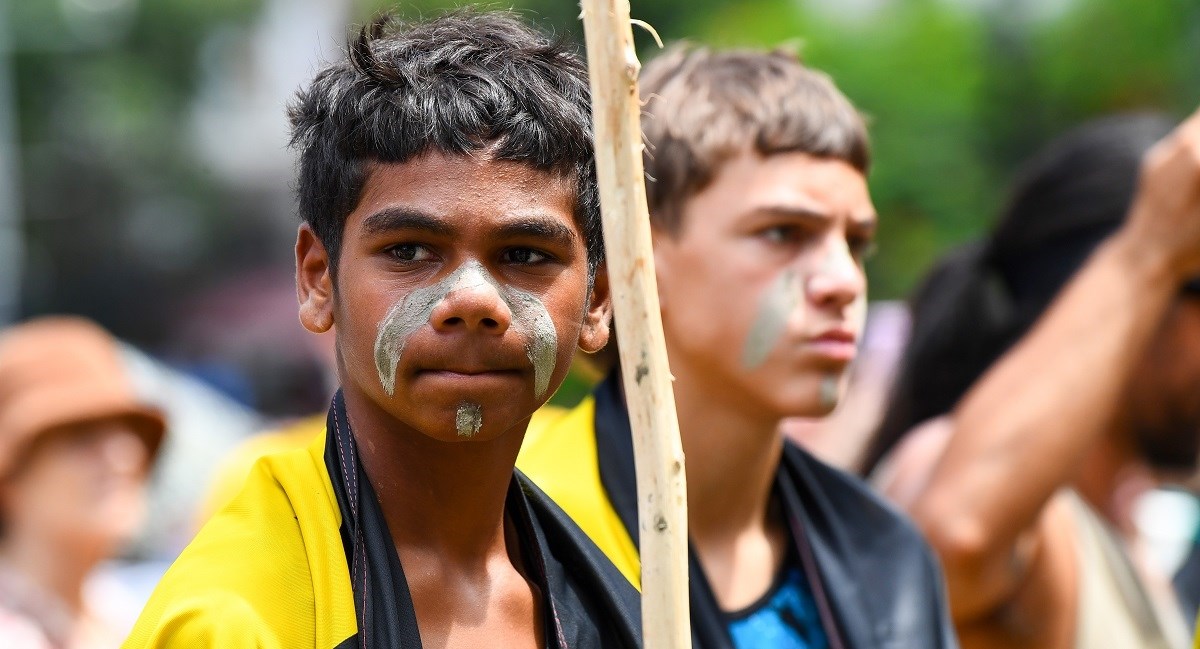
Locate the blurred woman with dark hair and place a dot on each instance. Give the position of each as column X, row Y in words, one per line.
column 1052, row 367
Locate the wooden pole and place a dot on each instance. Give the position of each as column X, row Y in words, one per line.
column 662, row 490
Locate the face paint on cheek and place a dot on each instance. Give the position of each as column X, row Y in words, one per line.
column 531, row 318
column 780, row 299
column 469, row 419
column 411, row 313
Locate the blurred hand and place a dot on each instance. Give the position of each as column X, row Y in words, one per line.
column 1164, row 219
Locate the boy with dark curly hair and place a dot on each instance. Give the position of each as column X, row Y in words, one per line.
column 451, row 233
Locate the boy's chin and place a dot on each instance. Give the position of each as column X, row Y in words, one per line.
column 468, row 420
column 809, row 399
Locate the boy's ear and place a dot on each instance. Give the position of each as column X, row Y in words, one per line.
column 314, row 281
column 598, row 319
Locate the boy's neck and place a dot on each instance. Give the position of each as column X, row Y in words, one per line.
column 732, row 457
column 439, row 499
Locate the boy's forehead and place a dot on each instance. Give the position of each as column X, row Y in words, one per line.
column 785, row 184
column 451, row 173
column 472, row 186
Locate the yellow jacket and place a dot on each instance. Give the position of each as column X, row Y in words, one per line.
column 560, row 456
column 268, row 571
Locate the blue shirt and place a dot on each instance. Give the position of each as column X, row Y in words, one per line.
column 785, row 618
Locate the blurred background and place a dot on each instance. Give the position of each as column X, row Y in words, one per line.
column 145, row 180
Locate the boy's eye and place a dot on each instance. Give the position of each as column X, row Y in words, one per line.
column 781, row 234
column 410, row 252
column 525, row 256
column 862, row 248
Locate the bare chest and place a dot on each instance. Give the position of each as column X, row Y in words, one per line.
column 501, row 612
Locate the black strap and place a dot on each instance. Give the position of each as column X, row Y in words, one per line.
column 793, row 511
column 382, row 601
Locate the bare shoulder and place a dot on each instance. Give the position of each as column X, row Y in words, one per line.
column 904, row 472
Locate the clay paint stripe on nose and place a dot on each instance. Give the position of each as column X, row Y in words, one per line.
column 780, row 299
column 411, row 313
column 529, row 316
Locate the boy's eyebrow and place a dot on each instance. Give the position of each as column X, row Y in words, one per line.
column 539, row 226
column 803, row 213
column 793, row 212
column 404, row 218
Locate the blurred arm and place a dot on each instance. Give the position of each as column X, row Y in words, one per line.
column 1021, row 432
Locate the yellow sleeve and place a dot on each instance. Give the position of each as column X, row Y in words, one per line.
column 233, row 469
column 267, row 571
column 216, row 620
column 560, row 457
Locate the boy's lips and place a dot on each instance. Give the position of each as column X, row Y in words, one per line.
column 464, row 356
column 471, row 379
column 835, row 344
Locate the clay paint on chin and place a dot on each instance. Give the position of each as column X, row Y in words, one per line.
column 780, row 299
column 830, row 390
column 529, row 317
column 469, row 419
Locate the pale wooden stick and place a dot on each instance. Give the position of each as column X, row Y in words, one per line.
column 662, row 490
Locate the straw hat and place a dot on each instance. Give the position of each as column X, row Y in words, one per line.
column 59, row 371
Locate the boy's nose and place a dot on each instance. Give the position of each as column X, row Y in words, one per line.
column 839, row 280
column 473, row 304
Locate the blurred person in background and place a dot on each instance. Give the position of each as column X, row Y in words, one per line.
column 75, row 449
column 756, row 183
column 1053, row 375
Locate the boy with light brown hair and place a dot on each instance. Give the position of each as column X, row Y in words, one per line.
column 756, row 181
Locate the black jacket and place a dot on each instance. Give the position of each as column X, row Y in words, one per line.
column 875, row 580
column 587, row 604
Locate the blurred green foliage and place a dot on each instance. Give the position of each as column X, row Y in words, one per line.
column 958, row 92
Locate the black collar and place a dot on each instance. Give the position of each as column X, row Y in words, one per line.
column 614, row 448
column 585, row 601
column 875, row 581
column 382, row 601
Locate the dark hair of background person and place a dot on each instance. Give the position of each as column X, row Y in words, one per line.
column 465, row 82
column 704, row 107
column 981, row 298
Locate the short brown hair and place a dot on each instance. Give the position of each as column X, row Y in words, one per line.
column 705, row 107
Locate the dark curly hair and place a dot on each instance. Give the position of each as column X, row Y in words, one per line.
column 460, row 83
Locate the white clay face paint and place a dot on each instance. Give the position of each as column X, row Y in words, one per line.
column 468, row 420
column 778, row 302
column 529, row 318
column 830, row 390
